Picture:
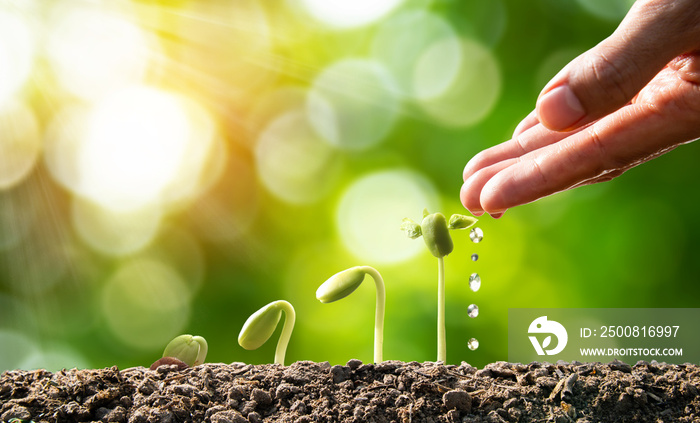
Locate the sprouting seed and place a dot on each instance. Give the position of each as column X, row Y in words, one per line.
column 344, row 283
column 191, row 350
column 261, row 324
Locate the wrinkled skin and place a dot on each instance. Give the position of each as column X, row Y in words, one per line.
column 631, row 98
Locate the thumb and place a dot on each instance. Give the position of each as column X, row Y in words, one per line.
column 609, row 75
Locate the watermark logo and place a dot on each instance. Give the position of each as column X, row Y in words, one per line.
column 542, row 325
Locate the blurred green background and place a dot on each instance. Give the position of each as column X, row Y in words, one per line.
column 170, row 167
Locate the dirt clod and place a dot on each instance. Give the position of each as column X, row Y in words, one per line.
column 388, row 392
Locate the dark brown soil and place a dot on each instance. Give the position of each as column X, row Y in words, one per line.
column 391, row 391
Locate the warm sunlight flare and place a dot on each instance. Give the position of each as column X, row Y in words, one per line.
column 135, row 146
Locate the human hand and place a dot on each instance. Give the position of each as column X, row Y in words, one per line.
column 631, row 98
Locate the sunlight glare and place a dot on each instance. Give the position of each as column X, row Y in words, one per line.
column 348, row 14
column 96, row 51
column 20, row 143
column 17, row 48
column 115, row 233
column 135, row 145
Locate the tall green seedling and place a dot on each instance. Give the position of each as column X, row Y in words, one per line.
column 344, row 283
column 435, row 231
column 261, row 324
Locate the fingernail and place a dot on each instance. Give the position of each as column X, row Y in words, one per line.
column 559, row 109
column 497, row 215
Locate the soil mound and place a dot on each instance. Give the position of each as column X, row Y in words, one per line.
column 391, row 391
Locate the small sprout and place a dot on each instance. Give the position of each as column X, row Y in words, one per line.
column 460, row 221
column 191, row 350
column 261, row 324
column 435, row 231
column 411, row 228
column 344, row 283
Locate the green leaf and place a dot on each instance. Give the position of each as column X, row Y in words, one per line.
column 460, row 221
column 412, row 229
column 340, row 285
column 425, row 213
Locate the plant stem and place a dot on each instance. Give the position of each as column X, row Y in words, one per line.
column 290, row 317
column 379, row 312
column 441, row 338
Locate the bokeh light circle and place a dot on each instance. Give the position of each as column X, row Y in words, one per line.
column 552, row 64
column 371, row 209
column 353, row 104
column 347, row 14
column 20, row 143
column 141, row 146
column 145, row 303
column 473, row 92
column 96, row 50
column 112, row 232
column 400, row 41
column 17, row 49
column 293, row 162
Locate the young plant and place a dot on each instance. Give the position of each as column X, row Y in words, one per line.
column 344, row 283
column 435, row 231
column 191, row 350
column 261, row 324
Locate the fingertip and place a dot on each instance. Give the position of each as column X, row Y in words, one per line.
column 497, row 215
column 527, row 123
column 494, row 197
column 559, row 109
column 470, row 198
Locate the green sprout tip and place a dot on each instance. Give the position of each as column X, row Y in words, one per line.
column 261, row 324
column 344, row 283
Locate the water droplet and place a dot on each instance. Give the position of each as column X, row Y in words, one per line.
column 473, row 310
column 476, row 235
column 473, row 344
column 475, row 257
column 474, row 282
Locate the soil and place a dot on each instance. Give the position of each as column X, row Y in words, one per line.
column 391, row 391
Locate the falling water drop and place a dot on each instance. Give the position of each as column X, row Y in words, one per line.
column 475, row 257
column 476, row 235
column 473, row 344
column 474, row 282
column 473, row 310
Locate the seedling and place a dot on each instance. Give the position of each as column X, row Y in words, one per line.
column 434, row 229
column 344, row 283
column 191, row 350
column 261, row 324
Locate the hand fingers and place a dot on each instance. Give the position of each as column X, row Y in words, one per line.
column 529, row 140
column 527, row 123
column 606, row 149
column 608, row 76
